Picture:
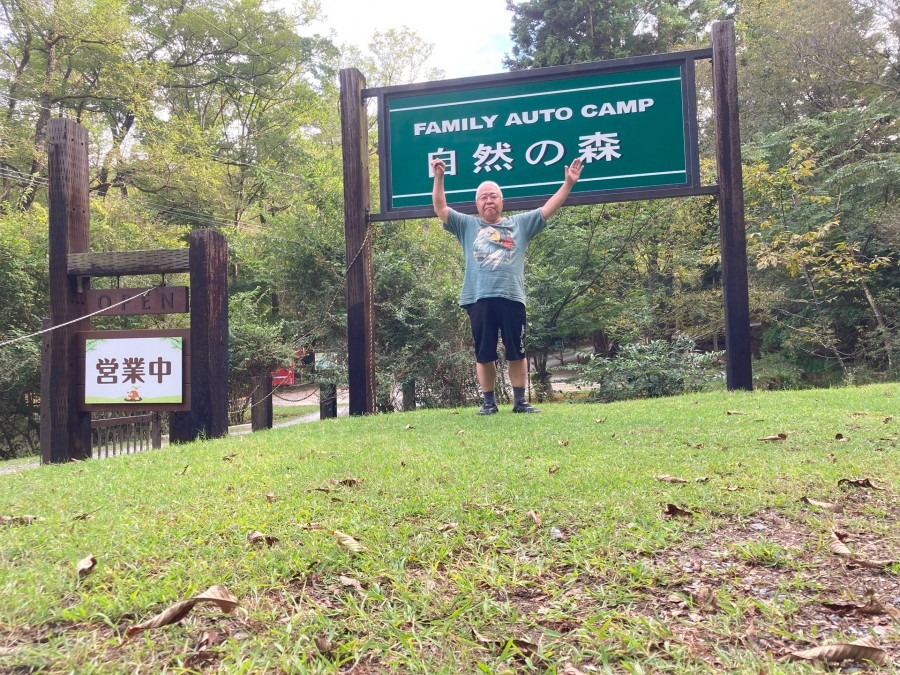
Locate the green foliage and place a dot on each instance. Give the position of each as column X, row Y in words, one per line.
column 256, row 346
column 657, row 368
column 563, row 32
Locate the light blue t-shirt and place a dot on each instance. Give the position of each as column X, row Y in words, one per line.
column 495, row 254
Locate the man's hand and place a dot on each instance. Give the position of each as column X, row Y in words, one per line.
column 438, row 167
column 573, row 172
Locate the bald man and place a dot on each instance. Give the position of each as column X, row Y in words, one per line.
column 493, row 291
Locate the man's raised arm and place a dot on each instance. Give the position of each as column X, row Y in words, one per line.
column 438, row 197
column 573, row 173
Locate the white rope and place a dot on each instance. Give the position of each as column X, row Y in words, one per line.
column 81, row 318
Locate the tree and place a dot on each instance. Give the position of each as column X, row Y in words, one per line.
column 562, row 32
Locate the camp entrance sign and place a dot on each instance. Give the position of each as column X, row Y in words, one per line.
column 631, row 121
column 135, row 370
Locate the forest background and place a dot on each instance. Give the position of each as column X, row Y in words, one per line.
column 224, row 114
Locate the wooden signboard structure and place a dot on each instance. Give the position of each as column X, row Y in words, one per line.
column 633, row 122
column 65, row 414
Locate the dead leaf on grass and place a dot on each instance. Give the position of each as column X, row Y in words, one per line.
column 409, row 426
column 323, row 644
column 85, row 516
column 526, row 647
column 860, row 650
column 257, row 538
column 270, row 497
column 600, row 420
column 570, row 669
column 702, row 479
column 348, row 542
column 840, row 437
column 832, row 458
column 666, row 478
column 311, row 526
column 838, row 547
column 858, row 482
column 217, row 595
column 460, row 432
column 734, row 412
column 18, row 520
column 672, row 511
column 210, row 638
column 350, row 582
column 447, row 527
column 553, row 469
column 535, row 517
column 183, row 471
column 349, row 482
column 85, row 566
column 563, row 442
column 828, row 506
column 776, row 437
column 228, row 458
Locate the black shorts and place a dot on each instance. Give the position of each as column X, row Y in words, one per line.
column 490, row 316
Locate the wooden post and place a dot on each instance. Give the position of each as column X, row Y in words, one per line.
column 733, row 237
column 358, row 244
column 67, row 434
column 156, row 430
column 327, row 401
column 208, row 417
column 261, row 412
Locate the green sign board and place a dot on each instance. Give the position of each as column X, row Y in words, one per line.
column 632, row 123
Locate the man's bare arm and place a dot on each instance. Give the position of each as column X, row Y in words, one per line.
column 438, row 197
column 573, row 173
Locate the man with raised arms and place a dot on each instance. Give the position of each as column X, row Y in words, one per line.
column 493, row 291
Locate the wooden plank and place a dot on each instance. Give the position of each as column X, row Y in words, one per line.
column 733, row 236
column 121, row 263
column 68, row 434
column 156, row 300
column 121, row 421
column 261, row 412
column 358, row 244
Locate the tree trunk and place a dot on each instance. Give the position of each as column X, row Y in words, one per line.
column 882, row 325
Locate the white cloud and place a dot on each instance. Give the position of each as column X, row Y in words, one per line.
column 470, row 37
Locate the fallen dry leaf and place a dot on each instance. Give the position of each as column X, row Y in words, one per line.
column 311, row 526
column 600, row 420
column 553, row 469
column 859, row 482
column 563, row 442
column 535, row 517
column 841, row 437
column 409, row 426
column 460, row 432
column 828, row 506
column 257, row 538
column 348, row 542
column 832, row 458
column 702, row 479
column 85, row 516
column 570, row 669
column 323, row 644
column 217, row 595
column 776, row 437
column 666, row 478
column 734, row 412
column 838, row 547
column 672, row 511
column 859, row 650
column 228, row 458
column 447, row 527
column 183, row 471
column 85, row 566
column 350, row 582
column 270, row 497
column 18, row 520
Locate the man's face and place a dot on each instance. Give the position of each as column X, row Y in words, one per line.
column 489, row 203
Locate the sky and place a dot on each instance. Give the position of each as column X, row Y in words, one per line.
column 470, row 37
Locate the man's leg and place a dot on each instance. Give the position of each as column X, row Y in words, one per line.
column 484, row 333
column 513, row 331
column 487, row 375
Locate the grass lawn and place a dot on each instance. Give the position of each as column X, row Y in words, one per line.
column 510, row 543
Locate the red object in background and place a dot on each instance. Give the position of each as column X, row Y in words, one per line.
column 283, row 377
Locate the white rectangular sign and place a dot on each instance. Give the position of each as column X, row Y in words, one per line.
column 134, row 370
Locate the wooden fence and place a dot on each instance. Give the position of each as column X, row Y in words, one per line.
column 125, row 434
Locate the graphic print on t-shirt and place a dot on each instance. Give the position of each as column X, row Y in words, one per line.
column 493, row 247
